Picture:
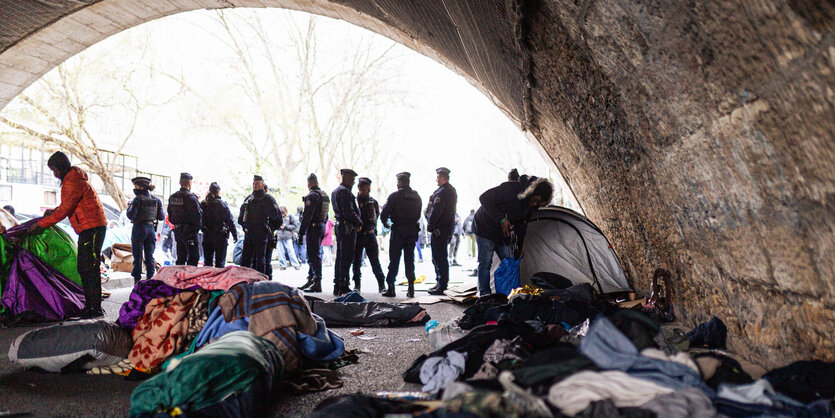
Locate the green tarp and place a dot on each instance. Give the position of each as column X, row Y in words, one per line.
column 236, row 363
column 53, row 246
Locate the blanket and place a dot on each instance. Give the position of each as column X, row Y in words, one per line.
column 161, row 332
column 276, row 312
column 368, row 314
column 209, row 278
column 141, row 294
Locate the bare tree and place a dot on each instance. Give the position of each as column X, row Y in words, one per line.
column 73, row 108
column 303, row 108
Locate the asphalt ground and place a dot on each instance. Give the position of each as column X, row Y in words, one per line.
column 380, row 367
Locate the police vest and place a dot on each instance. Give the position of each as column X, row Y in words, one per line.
column 368, row 214
column 324, row 207
column 254, row 213
column 177, row 208
column 147, row 210
column 213, row 214
column 409, row 211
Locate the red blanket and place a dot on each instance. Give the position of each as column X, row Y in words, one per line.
column 209, row 278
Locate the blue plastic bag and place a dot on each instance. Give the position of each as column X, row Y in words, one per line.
column 506, row 277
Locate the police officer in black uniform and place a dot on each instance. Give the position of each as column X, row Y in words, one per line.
column 402, row 209
column 348, row 222
column 217, row 224
column 184, row 212
column 440, row 217
column 258, row 212
column 144, row 211
column 367, row 235
column 315, row 216
column 272, row 240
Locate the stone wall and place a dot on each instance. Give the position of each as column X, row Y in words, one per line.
column 700, row 136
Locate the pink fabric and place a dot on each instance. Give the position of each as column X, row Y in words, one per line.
column 209, row 278
column 328, row 238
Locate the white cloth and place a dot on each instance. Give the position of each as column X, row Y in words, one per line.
column 576, row 392
column 751, row 393
column 436, row 372
column 687, row 403
column 682, row 357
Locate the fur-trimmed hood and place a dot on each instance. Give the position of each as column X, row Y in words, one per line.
column 532, row 186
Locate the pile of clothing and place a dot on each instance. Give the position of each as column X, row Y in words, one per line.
column 38, row 277
column 206, row 341
column 554, row 352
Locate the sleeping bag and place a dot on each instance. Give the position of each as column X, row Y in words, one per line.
column 232, row 376
column 70, row 346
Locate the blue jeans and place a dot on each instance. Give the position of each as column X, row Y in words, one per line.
column 285, row 249
column 486, row 248
column 143, row 240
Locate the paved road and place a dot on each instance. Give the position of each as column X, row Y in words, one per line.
column 394, row 349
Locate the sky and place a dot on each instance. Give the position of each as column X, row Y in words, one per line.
column 445, row 121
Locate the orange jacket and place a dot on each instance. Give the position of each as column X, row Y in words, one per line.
column 78, row 201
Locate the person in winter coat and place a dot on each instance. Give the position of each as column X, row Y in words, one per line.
column 505, row 209
column 327, row 243
column 144, row 211
column 468, row 231
column 286, row 235
column 81, row 204
column 217, row 224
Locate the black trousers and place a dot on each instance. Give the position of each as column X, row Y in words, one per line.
column 215, row 244
column 187, row 250
column 268, row 257
column 368, row 242
column 346, row 240
column 401, row 243
column 440, row 256
column 313, row 245
column 88, row 264
column 254, row 253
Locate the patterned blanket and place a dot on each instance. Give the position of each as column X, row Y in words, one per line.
column 162, row 331
column 209, row 278
column 276, row 312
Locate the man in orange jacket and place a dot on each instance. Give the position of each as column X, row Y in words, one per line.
column 81, row 204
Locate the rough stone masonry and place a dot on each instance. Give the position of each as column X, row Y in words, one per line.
column 700, row 136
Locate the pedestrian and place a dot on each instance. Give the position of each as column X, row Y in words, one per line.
column 348, row 222
column 272, row 239
column 327, row 243
column 185, row 213
column 257, row 212
column 145, row 211
column 513, row 175
column 81, row 204
column 402, row 209
column 286, row 234
column 218, row 223
column 312, row 231
column 298, row 244
column 421, row 241
column 457, row 234
column 367, row 235
column 168, row 245
column 440, row 217
column 468, row 231
column 505, row 209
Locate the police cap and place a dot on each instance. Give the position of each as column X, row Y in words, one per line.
column 364, row 180
column 404, row 175
column 348, row 172
column 140, row 180
column 257, row 178
column 185, row 176
column 214, row 187
column 442, row 170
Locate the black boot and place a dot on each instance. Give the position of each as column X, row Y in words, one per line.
column 381, row 285
column 411, row 292
column 316, row 288
column 310, row 282
column 357, row 285
column 437, row 291
column 389, row 293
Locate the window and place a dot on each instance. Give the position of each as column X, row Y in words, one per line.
column 6, row 193
column 50, row 198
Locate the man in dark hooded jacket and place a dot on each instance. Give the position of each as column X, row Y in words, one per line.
column 505, row 208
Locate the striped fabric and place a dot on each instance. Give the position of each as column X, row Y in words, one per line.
column 276, row 312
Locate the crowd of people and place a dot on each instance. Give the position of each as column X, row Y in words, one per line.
column 494, row 228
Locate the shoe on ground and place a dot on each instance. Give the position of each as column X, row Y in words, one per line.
column 437, row 292
column 411, row 292
column 389, row 293
column 433, row 288
column 474, row 273
column 316, row 288
column 310, row 282
column 297, row 267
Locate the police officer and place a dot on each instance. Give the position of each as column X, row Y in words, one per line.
column 185, row 213
column 402, row 209
column 315, row 216
column 272, row 240
column 440, row 217
column 258, row 212
column 348, row 222
column 217, row 224
column 144, row 211
column 367, row 235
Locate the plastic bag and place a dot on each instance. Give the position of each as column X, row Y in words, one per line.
column 442, row 335
column 507, row 276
